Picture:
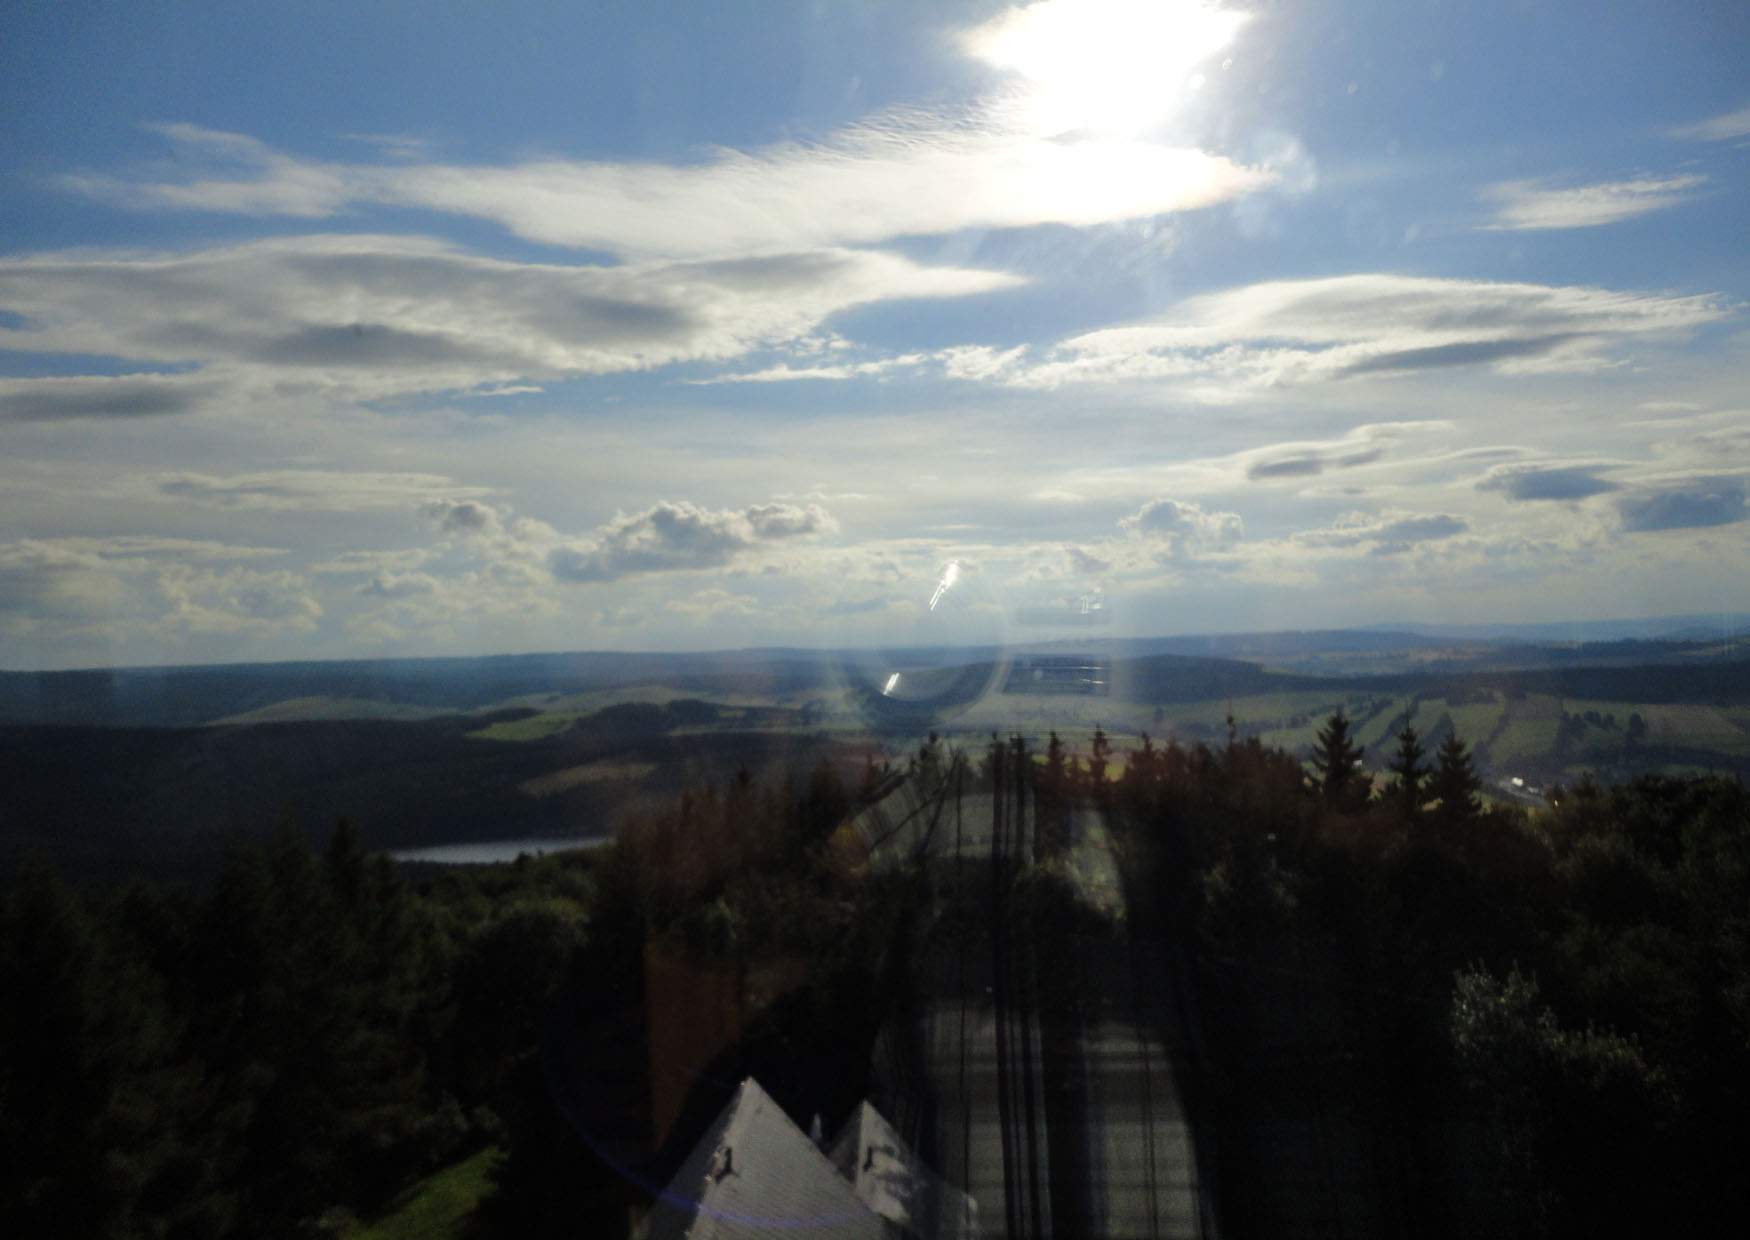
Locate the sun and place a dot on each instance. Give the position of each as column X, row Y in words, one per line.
column 1111, row 67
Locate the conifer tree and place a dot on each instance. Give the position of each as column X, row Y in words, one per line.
column 1455, row 783
column 1338, row 758
column 1410, row 775
column 1098, row 759
column 1054, row 773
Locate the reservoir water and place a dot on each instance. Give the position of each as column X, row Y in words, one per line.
column 493, row 852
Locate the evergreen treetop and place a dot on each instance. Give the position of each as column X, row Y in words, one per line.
column 1408, row 773
column 1338, row 759
column 1454, row 782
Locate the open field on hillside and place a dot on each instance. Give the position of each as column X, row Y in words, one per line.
column 438, row 1207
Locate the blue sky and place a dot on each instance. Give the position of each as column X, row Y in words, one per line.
column 333, row 330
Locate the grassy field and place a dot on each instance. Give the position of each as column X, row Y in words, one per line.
column 1474, row 721
column 1530, row 733
column 1379, row 728
column 305, row 709
column 1521, row 731
column 533, row 728
column 1074, row 717
column 436, row 1208
column 559, row 711
column 602, row 772
column 1690, row 726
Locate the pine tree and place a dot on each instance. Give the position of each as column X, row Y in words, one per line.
column 1455, row 783
column 1406, row 766
column 1054, row 765
column 1338, row 758
column 1097, row 761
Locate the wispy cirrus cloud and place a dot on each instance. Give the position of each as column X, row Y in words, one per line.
column 906, row 173
column 1721, row 128
column 311, row 490
column 784, row 372
column 1288, row 332
column 1384, row 533
column 1524, row 205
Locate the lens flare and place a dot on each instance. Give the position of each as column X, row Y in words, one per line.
column 1115, row 67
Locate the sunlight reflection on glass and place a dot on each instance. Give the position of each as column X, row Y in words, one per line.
column 950, row 575
column 928, row 655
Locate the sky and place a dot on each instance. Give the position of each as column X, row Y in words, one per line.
column 340, row 330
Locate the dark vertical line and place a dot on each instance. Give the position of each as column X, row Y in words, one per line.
column 1150, row 1185
column 960, row 901
column 999, row 788
column 1028, row 1015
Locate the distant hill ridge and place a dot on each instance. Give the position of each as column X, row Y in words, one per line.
column 1156, row 669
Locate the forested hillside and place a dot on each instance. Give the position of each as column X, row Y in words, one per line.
column 1536, row 1023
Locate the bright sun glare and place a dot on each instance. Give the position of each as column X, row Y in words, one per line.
column 1114, row 67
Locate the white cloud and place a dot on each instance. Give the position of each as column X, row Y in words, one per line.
column 785, row 373
column 155, row 547
column 679, row 536
column 1720, row 128
column 978, row 363
column 367, row 316
column 400, row 585
column 1085, row 564
column 46, row 583
column 236, row 600
column 62, row 589
column 312, row 490
column 466, row 518
column 1537, row 205
column 276, row 185
column 1288, row 332
column 714, row 604
column 896, row 175
column 488, row 567
column 1179, row 528
column 364, row 563
column 1384, row 533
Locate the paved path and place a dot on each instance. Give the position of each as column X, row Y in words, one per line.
column 986, row 1087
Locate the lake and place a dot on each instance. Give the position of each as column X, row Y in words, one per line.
column 493, row 852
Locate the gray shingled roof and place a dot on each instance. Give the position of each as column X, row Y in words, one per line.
column 888, row 1177
column 755, row 1173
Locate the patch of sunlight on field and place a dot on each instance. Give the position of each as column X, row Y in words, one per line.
column 1273, row 712
column 533, row 728
column 559, row 711
column 1293, row 739
column 439, row 1206
column 1042, row 712
column 1473, row 721
column 1378, row 729
column 1206, row 719
column 604, row 772
column 314, row 709
column 1525, row 739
